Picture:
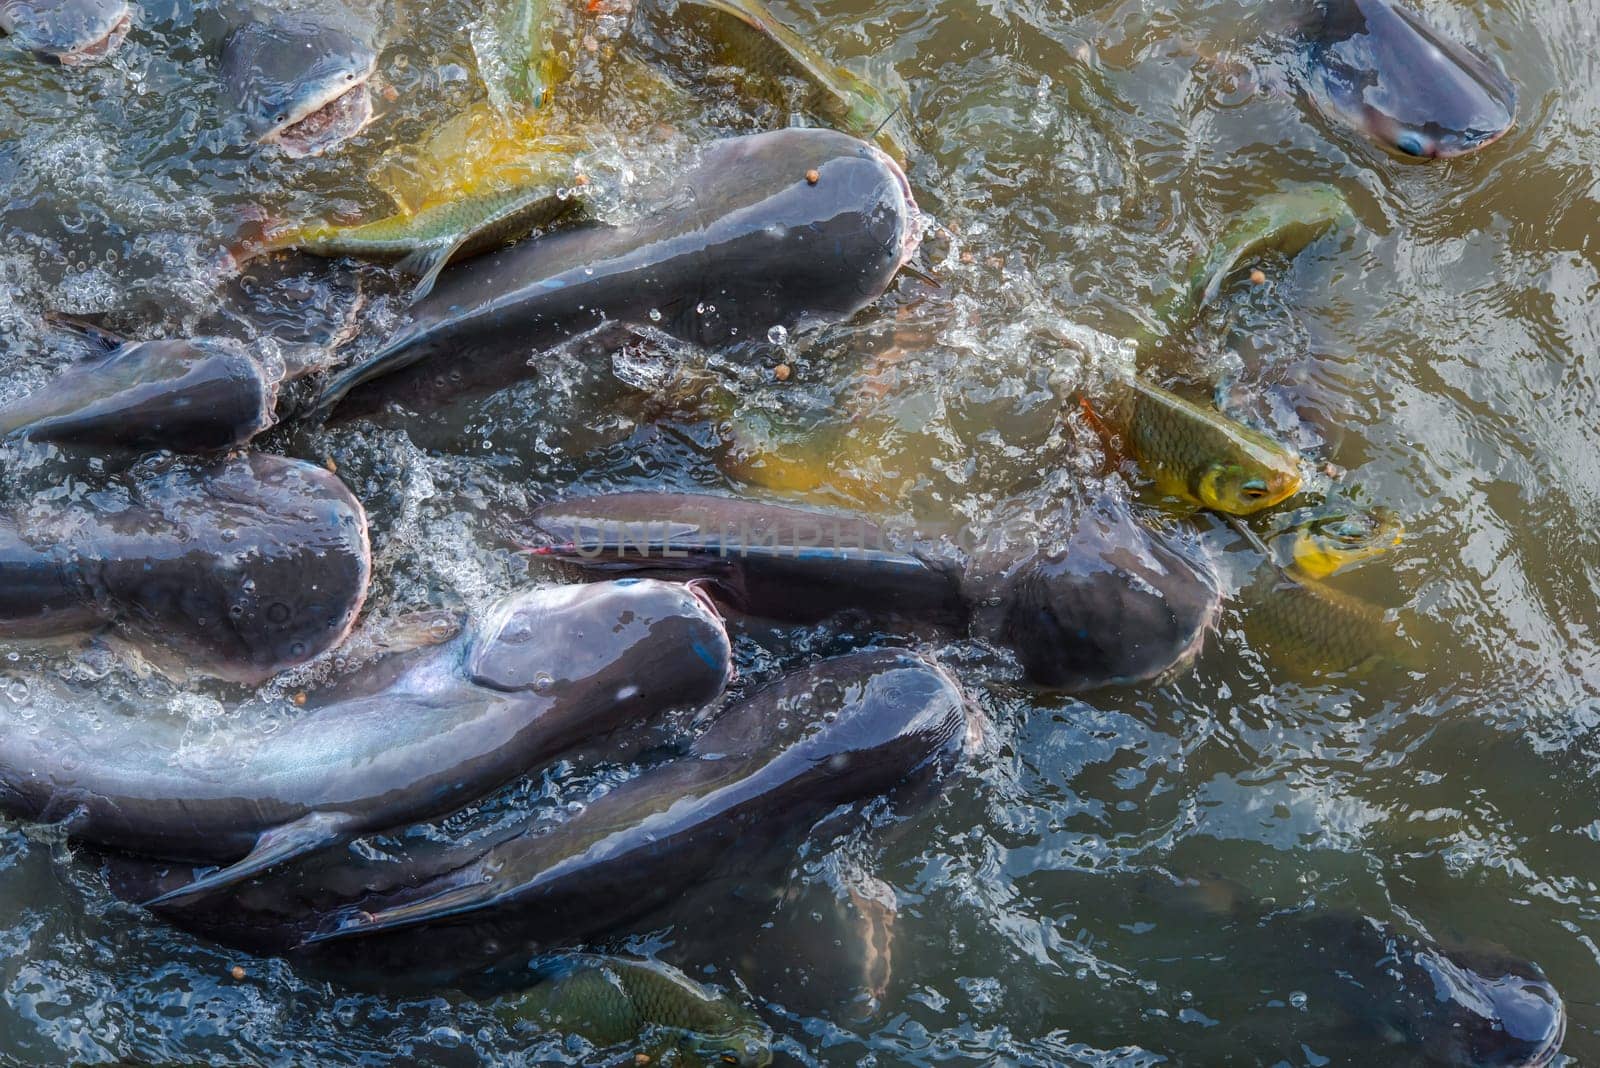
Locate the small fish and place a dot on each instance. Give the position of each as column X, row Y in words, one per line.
column 1378, row 67
column 745, row 35
column 1196, row 453
column 1331, row 540
column 1311, row 627
column 615, row 1000
column 424, row 242
column 511, row 43
column 1285, row 221
column 301, row 82
column 70, row 32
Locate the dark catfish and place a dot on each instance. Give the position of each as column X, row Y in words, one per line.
column 237, row 567
column 845, row 730
column 1379, row 67
column 747, row 242
column 71, row 32
column 1114, row 601
column 544, row 670
column 300, row 78
column 182, row 396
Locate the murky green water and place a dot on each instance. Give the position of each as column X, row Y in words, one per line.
column 1074, row 156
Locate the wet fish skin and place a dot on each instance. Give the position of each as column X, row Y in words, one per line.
column 238, row 567
column 428, row 240
column 544, row 670
column 611, row 1000
column 1197, row 453
column 845, row 730
column 1473, row 1006
column 70, row 32
column 1117, row 603
column 298, row 80
column 1379, row 68
column 748, row 243
column 1309, row 627
column 1334, row 539
column 746, row 35
column 185, row 396
column 767, row 559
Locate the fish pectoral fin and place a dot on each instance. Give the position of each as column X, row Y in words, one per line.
column 426, row 263
column 456, row 899
column 311, row 832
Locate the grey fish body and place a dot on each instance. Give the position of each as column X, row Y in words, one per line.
column 1380, row 68
column 796, row 564
column 298, row 79
column 748, row 244
column 845, row 730
column 182, row 396
column 239, row 567
column 546, row 670
column 1116, row 603
column 71, row 32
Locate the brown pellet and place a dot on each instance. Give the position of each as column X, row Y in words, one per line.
column 813, row 176
column 237, row 972
column 1258, row 277
column 781, row 372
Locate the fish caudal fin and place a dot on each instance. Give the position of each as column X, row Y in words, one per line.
column 309, row 833
column 426, row 263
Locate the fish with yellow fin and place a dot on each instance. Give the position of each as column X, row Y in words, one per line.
column 743, row 34
column 1311, row 627
column 457, row 225
column 1196, row 453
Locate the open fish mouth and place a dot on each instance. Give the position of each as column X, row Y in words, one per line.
column 335, row 121
column 97, row 50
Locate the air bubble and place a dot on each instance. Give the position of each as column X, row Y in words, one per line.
column 778, row 335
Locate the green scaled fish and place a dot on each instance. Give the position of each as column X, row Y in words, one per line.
column 467, row 223
column 1285, row 221
column 1310, row 627
column 614, row 1000
column 745, row 35
column 515, row 60
column 1322, row 542
column 1196, row 453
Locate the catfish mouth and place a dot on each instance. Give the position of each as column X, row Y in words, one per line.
column 97, row 50
column 910, row 214
column 336, row 116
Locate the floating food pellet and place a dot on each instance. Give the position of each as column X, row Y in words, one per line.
column 300, row 698
column 390, row 93
column 781, row 372
column 812, row 176
column 330, row 465
column 1258, row 277
column 641, row 1058
column 237, row 972
column 582, row 179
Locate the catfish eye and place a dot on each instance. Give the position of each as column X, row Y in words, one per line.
column 283, row 117
column 350, row 77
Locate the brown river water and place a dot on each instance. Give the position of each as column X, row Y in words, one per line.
column 1071, row 157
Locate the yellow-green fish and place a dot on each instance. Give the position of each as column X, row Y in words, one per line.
column 745, row 35
column 1285, row 221
column 1197, row 453
column 423, row 242
column 515, row 60
column 613, row 1000
column 1328, row 541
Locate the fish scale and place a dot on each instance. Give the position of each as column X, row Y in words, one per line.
column 1312, row 626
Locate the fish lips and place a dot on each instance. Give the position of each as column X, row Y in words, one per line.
column 1381, row 69
column 305, row 107
column 68, row 32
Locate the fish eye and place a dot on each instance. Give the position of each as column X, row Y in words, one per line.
column 1410, row 144
column 283, row 117
column 350, row 77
